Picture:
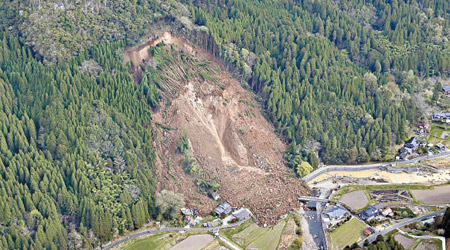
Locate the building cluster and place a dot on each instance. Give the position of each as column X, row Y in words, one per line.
column 443, row 117
column 190, row 216
column 224, row 214
column 412, row 145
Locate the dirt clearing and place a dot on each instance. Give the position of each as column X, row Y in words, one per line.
column 438, row 177
column 355, row 200
column 404, row 241
column 438, row 195
column 428, row 245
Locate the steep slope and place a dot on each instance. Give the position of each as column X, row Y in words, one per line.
column 230, row 150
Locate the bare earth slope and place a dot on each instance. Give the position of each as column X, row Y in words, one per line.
column 232, row 142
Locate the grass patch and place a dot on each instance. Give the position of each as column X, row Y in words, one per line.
column 347, row 234
column 270, row 239
column 250, row 235
column 437, row 129
column 228, row 233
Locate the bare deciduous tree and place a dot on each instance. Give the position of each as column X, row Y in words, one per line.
column 170, row 203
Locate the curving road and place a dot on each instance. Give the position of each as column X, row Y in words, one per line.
column 442, row 239
column 329, row 168
column 401, row 224
column 168, row 229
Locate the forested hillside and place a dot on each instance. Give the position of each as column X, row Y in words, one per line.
column 335, row 75
column 75, row 158
column 58, row 29
column 76, row 138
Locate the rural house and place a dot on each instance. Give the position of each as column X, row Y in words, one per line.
column 428, row 221
column 440, row 147
column 412, row 143
column 336, row 213
column 223, row 208
column 388, row 212
column 369, row 213
column 186, row 211
column 242, row 214
column 446, row 89
column 368, row 231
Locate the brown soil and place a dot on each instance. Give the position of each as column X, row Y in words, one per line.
column 427, row 245
column 140, row 54
column 437, row 195
column 404, row 241
column 356, row 199
column 288, row 235
column 229, row 137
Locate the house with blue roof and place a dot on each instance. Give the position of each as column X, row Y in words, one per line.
column 369, row 213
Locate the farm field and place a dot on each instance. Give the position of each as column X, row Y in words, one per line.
column 250, row 236
column 194, row 242
column 439, row 133
column 440, row 194
column 153, row 242
column 355, row 199
column 347, row 234
column 270, row 239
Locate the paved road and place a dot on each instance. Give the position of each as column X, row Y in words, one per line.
column 309, row 198
column 329, row 168
column 384, row 204
column 168, row 229
column 401, row 224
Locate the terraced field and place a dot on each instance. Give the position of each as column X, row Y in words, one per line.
column 251, row 236
column 270, row 239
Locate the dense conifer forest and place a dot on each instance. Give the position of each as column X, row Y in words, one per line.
column 76, row 158
column 334, row 75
